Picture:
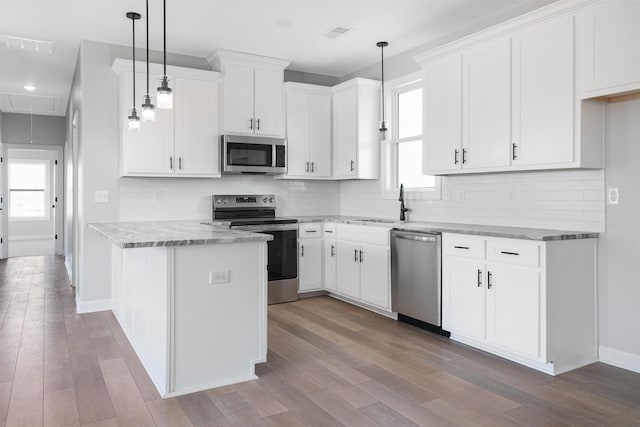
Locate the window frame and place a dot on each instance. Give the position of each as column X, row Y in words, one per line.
column 47, row 190
column 389, row 164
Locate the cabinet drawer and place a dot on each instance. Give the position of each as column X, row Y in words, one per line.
column 329, row 231
column 364, row 234
column 464, row 246
column 515, row 252
column 310, row 230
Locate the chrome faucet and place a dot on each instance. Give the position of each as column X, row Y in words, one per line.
column 402, row 208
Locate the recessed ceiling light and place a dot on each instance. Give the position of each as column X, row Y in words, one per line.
column 30, row 88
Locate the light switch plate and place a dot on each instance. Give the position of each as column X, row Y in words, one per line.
column 218, row 277
column 102, row 196
column 613, row 196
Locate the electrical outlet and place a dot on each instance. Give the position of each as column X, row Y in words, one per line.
column 446, row 195
column 511, row 196
column 460, row 196
column 102, row 196
column 218, row 277
column 613, row 196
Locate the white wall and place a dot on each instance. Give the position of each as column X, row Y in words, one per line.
column 570, row 200
column 47, row 130
column 619, row 247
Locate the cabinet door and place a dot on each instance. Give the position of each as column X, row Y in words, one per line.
column 345, row 133
column 196, row 137
column 487, row 105
column 269, row 102
column 297, row 133
column 442, row 110
column 463, row 297
column 374, row 275
column 543, row 94
column 320, row 134
column 238, row 99
column 513, row 309
column 330, row 264
column 348, row 270
column 148, row 150
column 310, row 264
column 612, row 56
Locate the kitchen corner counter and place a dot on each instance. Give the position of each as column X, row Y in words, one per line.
column 538, row 234
column 173, row 233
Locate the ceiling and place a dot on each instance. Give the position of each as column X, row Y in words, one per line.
column 288, row 29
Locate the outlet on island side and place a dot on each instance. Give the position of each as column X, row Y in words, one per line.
column 218, row 277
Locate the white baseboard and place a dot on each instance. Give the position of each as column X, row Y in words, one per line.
column 619, row 358
column 92, row 306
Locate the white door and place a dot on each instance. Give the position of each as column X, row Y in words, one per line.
column 297, row 133
column 544, row 94
column 3, row 238
column 345, row 133
column 320, row 134
column 330, row 265
column 348, row 269
column 442, row 110
column 374, row 275
column 463, row 297
column 487, row 105
column 269, row 102
column 612, row 57
column 196, row 127
column 148, row 150
column 310, row 264
column 513, row 309
column 238, row 99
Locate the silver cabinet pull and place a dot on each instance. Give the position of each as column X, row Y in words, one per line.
column 461, row 247
column 306, row 167
column 361, row 258
column 171, row 162
column 464, row 156
column 479, row 277
column 258, row 124
column 455, row 156
column 301, row 250
column 509, row 253
column 180, row 162
column 312, row 167
column 251, row 123
column 489, row 276
column 353, row 165
column 513, row 151
column 355, row 255
column 333, row 248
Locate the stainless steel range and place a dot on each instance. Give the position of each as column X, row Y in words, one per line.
column 257, row 213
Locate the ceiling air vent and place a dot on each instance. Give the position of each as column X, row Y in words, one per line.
column 29, row 45
column 336, row 31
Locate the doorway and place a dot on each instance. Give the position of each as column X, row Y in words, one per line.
column 32, row 189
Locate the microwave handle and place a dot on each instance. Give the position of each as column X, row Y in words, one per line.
column 274, row 153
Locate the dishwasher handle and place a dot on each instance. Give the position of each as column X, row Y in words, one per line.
column 419, row 237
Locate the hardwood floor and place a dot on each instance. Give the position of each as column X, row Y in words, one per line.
column 330, row 364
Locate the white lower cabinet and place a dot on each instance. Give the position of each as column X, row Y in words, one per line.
column 309, row 258
column 529, row 301
column 348, row 269
column 374, row 275
column 330, row 265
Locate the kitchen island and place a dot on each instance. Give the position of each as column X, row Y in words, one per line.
column 192, row 300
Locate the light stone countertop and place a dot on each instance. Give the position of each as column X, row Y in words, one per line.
column 444, row 227
column 173, row 233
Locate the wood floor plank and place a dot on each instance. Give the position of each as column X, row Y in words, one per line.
column 129, row 407
column 168, row 413
column 385, row 416
column 60, row 408
column 201, row 411
column 236, row 410
column 259, row 399
column 5, row 395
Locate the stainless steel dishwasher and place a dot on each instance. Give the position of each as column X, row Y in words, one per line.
column 416, row 285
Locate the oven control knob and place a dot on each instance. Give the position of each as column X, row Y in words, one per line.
column 225, row 201
column 264, row 200
column 270, row 199
column 218, row 201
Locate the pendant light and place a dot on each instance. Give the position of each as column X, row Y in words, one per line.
column 382, row 126
column 134, row 119
column 165, row 95
column 148, row 109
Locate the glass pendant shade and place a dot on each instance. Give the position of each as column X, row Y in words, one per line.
column 164, row 95
column 148, row 110
column 134, row 119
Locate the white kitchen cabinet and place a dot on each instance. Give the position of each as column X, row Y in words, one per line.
column 330, row 265
column 181, row 142
column 532, row 302
column 308, row 130
column 310, row 265
column 356, row 138
column 348, row 269
column 252, row 98
column 612, row 51
column 442, row 110
column 486, row 91
column 374, row 275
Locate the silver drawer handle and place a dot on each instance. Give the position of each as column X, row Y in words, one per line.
column 461, row 247
column 509, row 253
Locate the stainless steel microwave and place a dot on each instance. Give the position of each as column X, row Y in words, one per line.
column 253, row 155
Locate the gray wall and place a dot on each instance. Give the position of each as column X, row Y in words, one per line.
column 47, row 130
column 310, row 78
column 619, row 247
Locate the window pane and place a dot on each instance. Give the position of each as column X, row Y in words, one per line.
column 27, row 176
column 410, row 166
column 27, row 204
column 410, row 113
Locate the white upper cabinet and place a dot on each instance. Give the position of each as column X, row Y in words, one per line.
column 505, row 99
column 252, row 93
column 356, row 139
column 308, row 131
column 442, row 110
column 544, row 94
column 612, row 48
column 182, row 141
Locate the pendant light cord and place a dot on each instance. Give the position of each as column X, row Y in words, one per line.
column 133, row 43
column 382, row 64
column 164, row 34
column 147, row 47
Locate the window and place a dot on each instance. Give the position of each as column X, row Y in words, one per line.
column 28, row 189
column 404, row 141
